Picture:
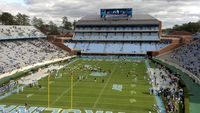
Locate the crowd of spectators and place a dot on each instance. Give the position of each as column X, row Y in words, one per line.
column 20, row 53
column 167, row 86
column 187, row 56
column 12, row 32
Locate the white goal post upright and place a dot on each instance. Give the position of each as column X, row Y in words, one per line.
column 49, row 91
column 72, row 91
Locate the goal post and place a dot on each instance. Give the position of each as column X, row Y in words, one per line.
column 71, row 91
column 48, row 90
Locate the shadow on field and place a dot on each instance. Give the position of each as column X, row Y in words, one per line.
column 148, row 109
column 147, row 93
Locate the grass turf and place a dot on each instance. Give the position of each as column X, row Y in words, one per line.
column 88, row 94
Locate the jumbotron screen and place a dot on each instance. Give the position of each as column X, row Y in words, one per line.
column 116, row 13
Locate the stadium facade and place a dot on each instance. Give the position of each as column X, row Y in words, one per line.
column 115, row 33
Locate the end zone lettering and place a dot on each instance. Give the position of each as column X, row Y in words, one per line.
column 23, row 109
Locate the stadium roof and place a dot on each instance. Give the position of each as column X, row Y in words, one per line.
column 137, row 19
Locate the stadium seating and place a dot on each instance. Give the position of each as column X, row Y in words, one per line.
column 21, row 53
column 116, row 28
column 186, row 56
column 139, row 33
column 118, row 36
column 19, row 32
column 96, row 47
column 22, row 46
column 113, row 47
column 118, row 47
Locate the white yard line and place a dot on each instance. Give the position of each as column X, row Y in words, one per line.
column 102, row 90
column 63, row 93
column 68, row 88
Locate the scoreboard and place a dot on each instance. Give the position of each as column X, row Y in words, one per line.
column 116, row 13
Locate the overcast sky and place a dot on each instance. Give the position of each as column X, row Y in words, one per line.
column 170, row 12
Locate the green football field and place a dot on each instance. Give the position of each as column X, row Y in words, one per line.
column 117, row 86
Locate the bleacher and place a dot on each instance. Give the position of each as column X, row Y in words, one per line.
column 186, row 56
column 117, row 36
column 136, row 35
column 131, row 32
column 16, row 54
column 116, row 47
column 19, row 32
column 22, row 46
column 120, row 28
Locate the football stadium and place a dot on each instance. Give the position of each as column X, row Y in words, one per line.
column 116, row 61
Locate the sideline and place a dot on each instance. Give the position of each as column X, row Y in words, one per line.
column 34, row 65
column 11, row 92
column 158, row 98
column 31, row 77
column 193, row 88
